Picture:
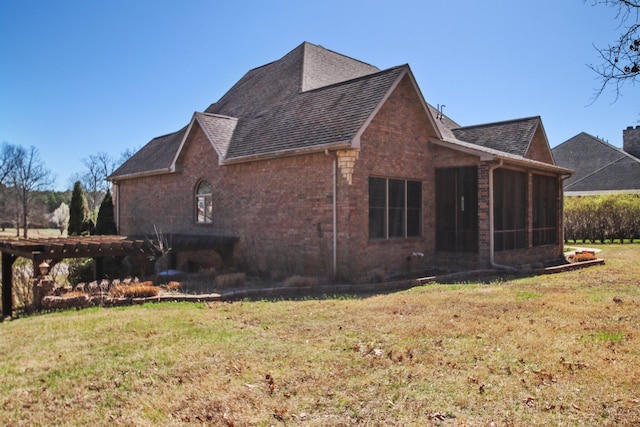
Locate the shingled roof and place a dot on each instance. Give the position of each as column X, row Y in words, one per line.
column 314, row 99
column 513, row 136
column 599, row 166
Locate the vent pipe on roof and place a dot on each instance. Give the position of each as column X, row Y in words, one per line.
column 440, row 114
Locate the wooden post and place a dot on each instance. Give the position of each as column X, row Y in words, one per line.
column 7, row 281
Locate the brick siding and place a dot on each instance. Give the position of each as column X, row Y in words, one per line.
column 282, row 209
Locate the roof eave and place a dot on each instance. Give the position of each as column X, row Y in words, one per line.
column 487, row 155
column 342, row 145
column 116, row 179
column 455, row 145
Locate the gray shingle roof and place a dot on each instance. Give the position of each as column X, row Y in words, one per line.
column 155, row 157
column 219, row 130
column 312, row 98
column 598, row 165
column 513, row 136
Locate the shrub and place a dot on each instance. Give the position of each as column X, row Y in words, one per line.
column 231, row 280
column 136, row 290
column 580, row 256
column 601, row 218
column 173, row 286
column 22, row 283
column 80, row 270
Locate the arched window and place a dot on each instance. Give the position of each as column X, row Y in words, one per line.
column 204, row 203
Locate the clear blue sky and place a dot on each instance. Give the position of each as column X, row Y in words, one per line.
column 82, row 77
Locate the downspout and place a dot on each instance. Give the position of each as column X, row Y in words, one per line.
column 335, row 216
column 491, row 222
column 561, row 196
column 116, row 195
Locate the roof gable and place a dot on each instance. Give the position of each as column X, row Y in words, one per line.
column 598, row 165
column 585, row 154
column 153, row 158
column 622, row 174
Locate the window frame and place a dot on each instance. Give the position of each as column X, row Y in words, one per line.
column 204, row 215
column 395, row 208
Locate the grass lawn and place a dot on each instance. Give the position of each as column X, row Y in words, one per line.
column 559, row 349
column 32, row 232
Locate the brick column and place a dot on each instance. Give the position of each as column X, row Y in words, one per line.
column 484, row 237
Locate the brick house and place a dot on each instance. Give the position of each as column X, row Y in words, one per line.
column 601, row 168
column 324, row 165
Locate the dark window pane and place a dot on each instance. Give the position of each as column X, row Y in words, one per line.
column 376, row 223
column 396, row 222
column 414, row 194
column 377, row 192
column 545, row 210
column 509, row 209
column 396, row 193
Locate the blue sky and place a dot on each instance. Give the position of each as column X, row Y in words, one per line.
column 82, row 77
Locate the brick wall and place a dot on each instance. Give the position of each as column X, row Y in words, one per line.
column 539, row 149
column 282, row 209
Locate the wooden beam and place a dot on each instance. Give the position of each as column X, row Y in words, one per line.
column 7, row 284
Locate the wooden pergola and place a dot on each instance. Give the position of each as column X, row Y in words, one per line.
column 140, row 248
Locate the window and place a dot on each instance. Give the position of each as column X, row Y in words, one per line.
column 545, row 210
column 204, row 203
column 395, row 208
column 457, row 209
column 509, row 210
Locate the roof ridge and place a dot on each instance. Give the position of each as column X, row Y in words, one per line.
column 254, row 73
column 350, row 81
column 222, row 116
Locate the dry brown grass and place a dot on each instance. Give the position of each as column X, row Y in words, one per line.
column 136, row 290
column 560, row 349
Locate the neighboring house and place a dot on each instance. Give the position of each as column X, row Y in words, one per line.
column 600, row 167
column 327, row 166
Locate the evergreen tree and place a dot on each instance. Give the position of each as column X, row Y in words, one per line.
column 105, row 224
column 77, row 211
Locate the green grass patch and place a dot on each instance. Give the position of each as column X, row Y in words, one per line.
column 527, row 295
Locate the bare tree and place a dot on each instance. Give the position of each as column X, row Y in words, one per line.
column 620, row 60
column 8, row 158
column 94, row 179
column 29, row 176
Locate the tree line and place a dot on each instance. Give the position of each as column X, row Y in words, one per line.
column 27, row 200
column 602, row 218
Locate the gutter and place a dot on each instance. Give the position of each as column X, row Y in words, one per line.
column 288, row 153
